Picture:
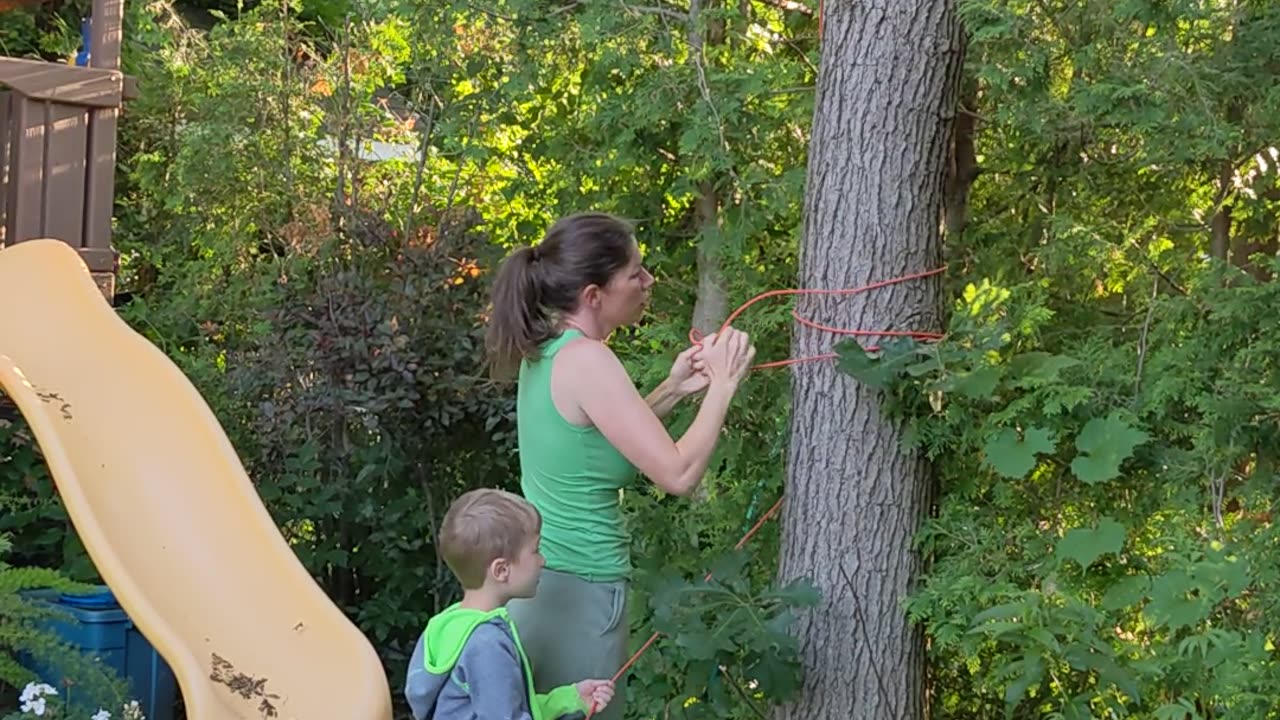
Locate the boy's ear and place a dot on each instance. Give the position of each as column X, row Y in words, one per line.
column 500, row 569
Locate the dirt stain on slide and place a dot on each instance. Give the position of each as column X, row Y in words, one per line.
column 53, row 397
column 246, row 686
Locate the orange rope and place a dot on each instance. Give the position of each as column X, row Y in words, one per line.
column 696, row 338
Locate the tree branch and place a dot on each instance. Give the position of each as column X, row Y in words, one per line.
column 491, row 13
column 1142, row 340
column 746, row 699
column 663, row 11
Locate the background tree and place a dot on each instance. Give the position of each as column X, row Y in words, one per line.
column 881, row 137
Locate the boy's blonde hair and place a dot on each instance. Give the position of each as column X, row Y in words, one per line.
column 484, row 525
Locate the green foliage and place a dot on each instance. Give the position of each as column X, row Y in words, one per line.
column 31, row 514
column 43, row 31
column 732, row 639
column 25, row 635
column 1118, row 569
column 365, row 375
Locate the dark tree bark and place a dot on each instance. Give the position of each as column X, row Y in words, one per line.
column 882, row 132
column 963, row 167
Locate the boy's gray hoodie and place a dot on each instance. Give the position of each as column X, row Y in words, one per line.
column 470, row 664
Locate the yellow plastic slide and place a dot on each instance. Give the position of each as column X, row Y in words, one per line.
column 163, row 505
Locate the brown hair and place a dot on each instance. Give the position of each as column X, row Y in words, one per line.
column 535, row 284
column 484, row 525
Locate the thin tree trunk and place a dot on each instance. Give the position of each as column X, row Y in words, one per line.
column 1244, row 248
column 1220, row 225
column 963, row 168
column 712, row 304
column 887, row 92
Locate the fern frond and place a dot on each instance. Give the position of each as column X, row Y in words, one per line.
column 15, row 580
column 13, row 674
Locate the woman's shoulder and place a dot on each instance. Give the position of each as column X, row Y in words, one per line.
column 584, row 353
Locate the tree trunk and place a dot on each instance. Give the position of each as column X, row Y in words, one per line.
column 886, row 98
column 1220, row 225
column 712, row 304
column 963, row 167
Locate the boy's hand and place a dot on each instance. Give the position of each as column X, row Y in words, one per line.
column 595, row 693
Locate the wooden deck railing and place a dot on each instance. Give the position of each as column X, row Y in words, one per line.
column 58, row 147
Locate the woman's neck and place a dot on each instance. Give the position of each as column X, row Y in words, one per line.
column 586, row 326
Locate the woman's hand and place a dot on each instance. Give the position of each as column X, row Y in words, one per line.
column 726, row 357
column 688, row 376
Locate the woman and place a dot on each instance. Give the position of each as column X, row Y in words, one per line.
column 583, row 431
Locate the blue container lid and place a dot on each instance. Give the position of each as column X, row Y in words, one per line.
column 102, row 599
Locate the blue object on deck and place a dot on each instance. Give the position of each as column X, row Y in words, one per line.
column 82, row 57
column 102, row 629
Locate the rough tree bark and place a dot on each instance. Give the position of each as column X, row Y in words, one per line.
column 886, row 100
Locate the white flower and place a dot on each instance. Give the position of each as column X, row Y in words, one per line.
column 34, row 706
column 36, row 690
column 133, row 712
column 101, row 715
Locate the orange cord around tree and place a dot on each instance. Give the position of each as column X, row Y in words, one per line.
column 696, row 338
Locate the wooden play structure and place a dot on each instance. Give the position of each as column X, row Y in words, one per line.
column 58, row 146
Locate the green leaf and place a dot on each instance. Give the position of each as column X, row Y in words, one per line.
column 979, row 384
column 996, row 629
column 1032, row 674
column 1000, row 612
column 727, row 568
column 776, row 678
column 1104, row 444
column 1085, row 545
column 1126, row 592
column 1113, row 674
column 1037, row 368
column 1180, row 711
column 702, row 643
column 1014, row 457
column 1222, row 578
column 1078, row 708
column 878, row 371
column 1171, row 601
column 1045, row 638
column 799, row 593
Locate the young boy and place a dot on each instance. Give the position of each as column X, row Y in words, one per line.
column 469, row 663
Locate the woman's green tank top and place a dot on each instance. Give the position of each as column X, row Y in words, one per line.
column 573, row 476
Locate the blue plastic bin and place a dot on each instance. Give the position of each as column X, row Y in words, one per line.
column 105, row 631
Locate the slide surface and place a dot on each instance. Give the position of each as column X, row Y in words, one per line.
column 163, row 504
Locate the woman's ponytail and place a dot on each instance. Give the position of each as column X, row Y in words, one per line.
column 518, row 322
column 535, row 286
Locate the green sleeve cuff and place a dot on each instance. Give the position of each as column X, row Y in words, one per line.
column 562, row 701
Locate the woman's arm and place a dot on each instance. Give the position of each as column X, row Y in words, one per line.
column 599, row 386
column 664, row 398
column 685, row 379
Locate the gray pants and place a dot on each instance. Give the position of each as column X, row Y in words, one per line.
column 575, row 630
